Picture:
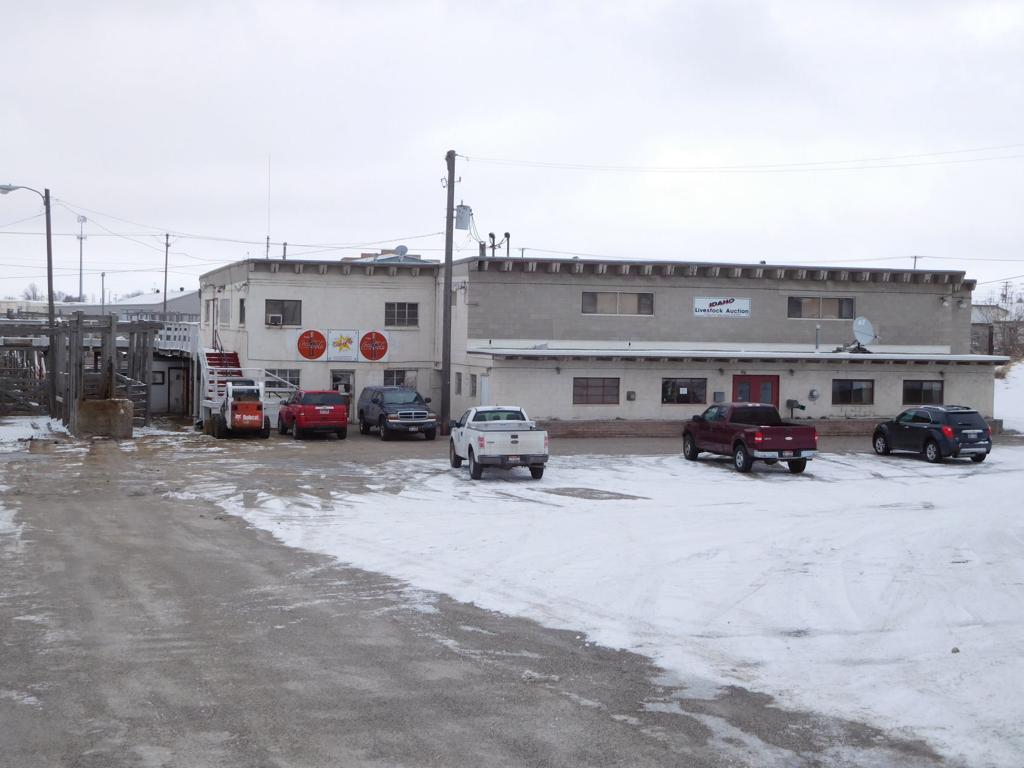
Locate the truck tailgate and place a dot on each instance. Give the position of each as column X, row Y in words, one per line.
column 787, row 438
column 508, row 440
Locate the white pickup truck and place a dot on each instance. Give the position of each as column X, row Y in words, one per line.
column 499, row 436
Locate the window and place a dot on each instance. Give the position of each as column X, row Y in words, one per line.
column 225, row 312
column 157, row 378
column 290, row 375
column 289, row 310
column 684, row 391
column 820, row 308
column 595, row 391
column 401, row 313
column 922, row 392
column 207, row 311
column 853, row 392
column 458, row 383
column 472, row 385
column 241, row 311
column 617, row 303
column 396, row 377
column 342, row 381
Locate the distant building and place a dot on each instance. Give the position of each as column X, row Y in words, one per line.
column 182, row 306
column 993, row 330
column 597, row 340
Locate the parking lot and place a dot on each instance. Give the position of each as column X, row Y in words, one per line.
column 178, row 600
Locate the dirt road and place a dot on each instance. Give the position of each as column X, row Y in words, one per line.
column 141, row 628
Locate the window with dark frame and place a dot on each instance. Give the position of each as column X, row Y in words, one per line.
column 157, row 378
column 821, row 307
column 458, row 383
column 290, row 311
column 853, row 392
column 595, row 391
column 472, row 385
column 617, row 303
column 403, row 314
column 680, row 391
column 241, row 311
column 397, row 377
column 917, row 392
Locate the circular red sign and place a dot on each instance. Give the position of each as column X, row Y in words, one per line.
column 312, row 344
column 373, row 346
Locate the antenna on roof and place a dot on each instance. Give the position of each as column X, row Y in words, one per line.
column 401, row 250
column 863, row 333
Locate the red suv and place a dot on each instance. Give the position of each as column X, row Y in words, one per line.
column 306, row 411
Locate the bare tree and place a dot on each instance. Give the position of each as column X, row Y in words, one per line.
column 31, row 293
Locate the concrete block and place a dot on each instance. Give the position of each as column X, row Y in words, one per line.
column 104, row 418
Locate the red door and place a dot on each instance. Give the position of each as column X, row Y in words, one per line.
column 755, row 389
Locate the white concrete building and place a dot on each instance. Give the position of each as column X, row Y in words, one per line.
column 582, row 340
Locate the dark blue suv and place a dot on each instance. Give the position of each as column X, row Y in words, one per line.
column 937, row 432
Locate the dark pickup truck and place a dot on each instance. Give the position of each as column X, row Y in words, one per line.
column 748, row 432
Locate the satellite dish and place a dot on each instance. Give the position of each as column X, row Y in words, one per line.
column 401, row 250
column 863, row 331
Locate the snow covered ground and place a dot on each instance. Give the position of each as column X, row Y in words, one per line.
column 15, row 431
column 882, row 589
column 1009, row 405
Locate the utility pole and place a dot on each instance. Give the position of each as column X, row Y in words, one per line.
column 81, row 237
column 268, row 246
column 915, row 258
column 167, row 251
column 446, row 298
column 103, row 293
column 284, row 251
column 52, row 349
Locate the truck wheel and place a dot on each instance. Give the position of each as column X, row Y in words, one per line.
column 281, row 428
column 342, row 433
column 296, row 430
column 537, row 472
column 932, row 452
column 979, row 457
column 880, row 444
column 265, row 432
column 690, row 451
column 385, row 433
column 476, row 471
column 364, row 428
column 742, row 459
column 796, row 466
column 430, row 434
column 453, row 458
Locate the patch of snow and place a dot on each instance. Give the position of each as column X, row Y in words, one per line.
column 842, row 590
column 1009, row 403
column 16, row 431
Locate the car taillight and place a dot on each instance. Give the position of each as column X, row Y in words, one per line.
column 545, row 443
column 480, row 441
column 988, row 432
column 947, row 431
column 759, row 437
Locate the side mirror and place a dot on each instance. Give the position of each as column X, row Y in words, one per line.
column 426, row 399
column 453, row 425
column 698, row 417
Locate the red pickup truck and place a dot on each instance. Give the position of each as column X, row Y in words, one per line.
column 307, row 411
column 748, row 432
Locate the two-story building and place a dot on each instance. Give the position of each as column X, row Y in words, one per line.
column 585, row 339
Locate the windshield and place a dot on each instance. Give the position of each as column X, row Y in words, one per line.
column 757, row 417
column 323, row 398
column 504, row 415
column 969, row 420
column 402, row 397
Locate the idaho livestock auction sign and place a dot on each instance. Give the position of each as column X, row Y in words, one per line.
column 720, row 306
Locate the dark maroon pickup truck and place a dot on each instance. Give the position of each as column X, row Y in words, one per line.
column 748, row 432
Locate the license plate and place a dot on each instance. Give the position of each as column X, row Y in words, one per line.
column 787, row 454
column 513, row 458
column 414, row 429
column 323, row 410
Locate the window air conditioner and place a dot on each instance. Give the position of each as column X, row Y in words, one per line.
column 274, row 319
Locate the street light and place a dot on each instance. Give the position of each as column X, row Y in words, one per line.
column 45, row 194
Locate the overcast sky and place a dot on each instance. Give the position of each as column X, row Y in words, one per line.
column 154, row 117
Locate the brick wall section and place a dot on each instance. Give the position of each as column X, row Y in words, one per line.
column 659, row 428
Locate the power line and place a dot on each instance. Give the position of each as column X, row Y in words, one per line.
column 866, row 163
